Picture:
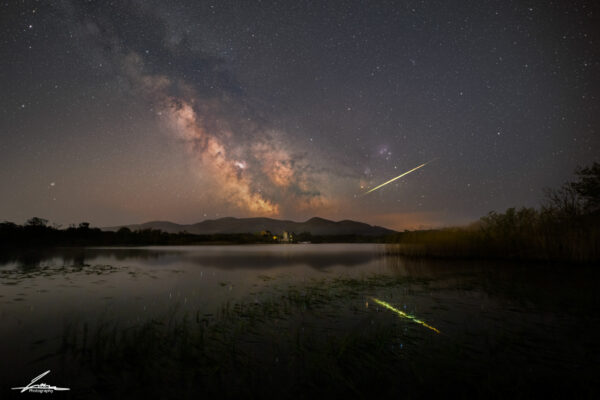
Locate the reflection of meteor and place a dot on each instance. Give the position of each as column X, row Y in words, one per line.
column 403, row 314
column 398, row 177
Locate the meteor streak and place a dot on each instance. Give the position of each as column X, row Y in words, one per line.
column 403, row 314
column 398, row 177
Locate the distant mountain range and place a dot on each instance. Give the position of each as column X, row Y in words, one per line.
column 316, row 226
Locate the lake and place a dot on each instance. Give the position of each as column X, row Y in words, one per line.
column 294, row 320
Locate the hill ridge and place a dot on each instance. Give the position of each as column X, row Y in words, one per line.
column 314, row 225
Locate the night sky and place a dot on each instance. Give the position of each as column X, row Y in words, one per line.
column 130, row 111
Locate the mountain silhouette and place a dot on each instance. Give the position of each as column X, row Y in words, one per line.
column 315, row 226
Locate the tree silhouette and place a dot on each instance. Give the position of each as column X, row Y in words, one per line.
column 588, row 187
column 36, row 221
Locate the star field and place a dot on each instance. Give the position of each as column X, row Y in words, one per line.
column 124, row 112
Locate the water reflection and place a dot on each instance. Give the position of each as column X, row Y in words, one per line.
column 404, row 315
column 495, row 316
column 221, row 257
column 551, row 286
column 30, row 259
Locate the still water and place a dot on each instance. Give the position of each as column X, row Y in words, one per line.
column 505, row 323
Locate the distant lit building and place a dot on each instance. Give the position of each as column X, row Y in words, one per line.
column 287, row 237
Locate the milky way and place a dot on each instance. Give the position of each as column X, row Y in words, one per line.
column 253, row 175
column 188, row 110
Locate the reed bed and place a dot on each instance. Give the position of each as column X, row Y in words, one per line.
column 525, row 234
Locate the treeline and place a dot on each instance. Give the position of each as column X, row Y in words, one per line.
column 566, row 227
column 37, row 232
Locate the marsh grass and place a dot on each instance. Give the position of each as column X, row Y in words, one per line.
column 317, row 339
column 312, row 338
column 565, row 228
column 524, row 234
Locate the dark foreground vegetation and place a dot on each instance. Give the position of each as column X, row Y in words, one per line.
column 565, row 228
column 319, row 340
